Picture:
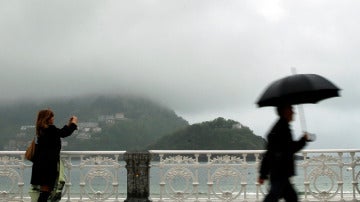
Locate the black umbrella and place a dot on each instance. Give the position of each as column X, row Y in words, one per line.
column 298, row 89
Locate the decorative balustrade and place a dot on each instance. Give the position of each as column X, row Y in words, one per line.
column 89, row 176
column 184, row 175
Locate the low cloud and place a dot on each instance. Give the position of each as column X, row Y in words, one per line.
column 202, row 58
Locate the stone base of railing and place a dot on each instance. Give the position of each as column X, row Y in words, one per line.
column 138, row 180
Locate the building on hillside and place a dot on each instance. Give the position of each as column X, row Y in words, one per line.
column 238, row 126
column 87, row 125
column 86, row 129
column 120, row 116
column 111, row 119
column 83, row 136
column 64, row 143
column 26, row 127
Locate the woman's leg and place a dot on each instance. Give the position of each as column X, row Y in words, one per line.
column 44, row 193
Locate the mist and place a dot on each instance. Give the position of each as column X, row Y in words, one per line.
column 204, row 59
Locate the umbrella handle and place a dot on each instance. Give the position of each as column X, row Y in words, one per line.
column 300, row 109
column 311, row 136
column 302, row 118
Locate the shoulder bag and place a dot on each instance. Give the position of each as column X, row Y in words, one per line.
column 30, row 151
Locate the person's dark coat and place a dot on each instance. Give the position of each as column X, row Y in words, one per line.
column 47, row 154
column 278, row 161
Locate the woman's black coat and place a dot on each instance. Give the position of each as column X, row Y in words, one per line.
column 47, row 154
column 278, row 161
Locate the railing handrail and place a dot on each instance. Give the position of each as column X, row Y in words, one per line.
column 191, row 151
column 249, row 151
column 205, row 151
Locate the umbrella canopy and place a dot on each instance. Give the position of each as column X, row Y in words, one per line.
column 298, row 89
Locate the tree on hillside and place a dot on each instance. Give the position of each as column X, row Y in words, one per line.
column 218, row 134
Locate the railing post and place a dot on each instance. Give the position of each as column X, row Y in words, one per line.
column 138, row 180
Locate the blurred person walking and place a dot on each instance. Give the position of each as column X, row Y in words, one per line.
column 278, row 161
column 45, row 169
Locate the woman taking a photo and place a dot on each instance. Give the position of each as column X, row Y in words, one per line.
column 47, row 154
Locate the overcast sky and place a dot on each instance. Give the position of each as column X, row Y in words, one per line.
column 203, row 58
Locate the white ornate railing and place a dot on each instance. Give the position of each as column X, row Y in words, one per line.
column 323, row 175
column 94, row 176
column 184, row 175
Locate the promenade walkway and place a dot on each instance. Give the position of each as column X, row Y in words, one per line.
column 184, row 175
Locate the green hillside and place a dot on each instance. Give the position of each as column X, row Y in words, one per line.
column 143, row 122
column 123, row 123
column 219, row 134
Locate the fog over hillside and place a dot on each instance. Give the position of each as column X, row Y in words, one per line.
column 204, row 59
